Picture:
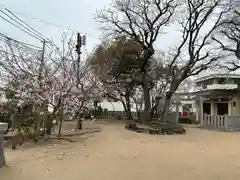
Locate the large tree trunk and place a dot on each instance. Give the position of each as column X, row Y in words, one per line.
column 147, row 101
column 128, row 104
column 127, row 107
column 128, row 110
column 154, row 109
column 60, row 125
column 164, row 113
column 169, row 94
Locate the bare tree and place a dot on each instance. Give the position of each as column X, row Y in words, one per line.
column 228, row 36
column 144, row 21
column 200, row 21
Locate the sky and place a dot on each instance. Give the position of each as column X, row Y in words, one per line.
column 75, row 14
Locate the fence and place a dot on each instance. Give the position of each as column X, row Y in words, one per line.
column 222, row 122
column 122, row 114
column 117, row 114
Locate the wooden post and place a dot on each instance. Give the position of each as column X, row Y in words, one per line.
column 177, row 109
column 177, row 112
column 226, row 122
column 2, row 156
column 215, row 121
column 201, row 110
column 3, row 128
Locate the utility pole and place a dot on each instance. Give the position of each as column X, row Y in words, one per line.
column 78, row 50
column 81, row 41
column 41, row 64
column 40, row 78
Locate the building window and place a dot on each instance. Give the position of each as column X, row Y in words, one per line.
column 207, row 108
column 222, row 108
column 221, row 81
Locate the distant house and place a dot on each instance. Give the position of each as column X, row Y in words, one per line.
column 220, row 94
column 185, row 90
column 218, row 103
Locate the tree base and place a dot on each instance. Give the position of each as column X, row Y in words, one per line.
column 162, row 129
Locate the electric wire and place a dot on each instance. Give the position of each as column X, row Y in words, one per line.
column 19, row 45
column 20, row 42
column 22, row 25
column 19, row 28
column 51, row 23
column 40, row 34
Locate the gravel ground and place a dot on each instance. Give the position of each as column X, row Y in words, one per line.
column 116, row 153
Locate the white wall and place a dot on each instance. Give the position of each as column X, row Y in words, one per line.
column 235, row 111
column 116, row 106
column 3, row 98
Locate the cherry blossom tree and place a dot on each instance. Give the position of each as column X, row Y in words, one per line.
column 50, row 82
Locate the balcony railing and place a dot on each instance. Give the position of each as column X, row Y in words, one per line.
column 227, row 123
column 222, row 86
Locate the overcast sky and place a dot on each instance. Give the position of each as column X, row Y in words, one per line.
column 75, row 14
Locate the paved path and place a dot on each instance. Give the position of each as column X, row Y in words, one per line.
column 118, row 154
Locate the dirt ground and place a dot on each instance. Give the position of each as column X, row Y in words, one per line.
column 116, row 153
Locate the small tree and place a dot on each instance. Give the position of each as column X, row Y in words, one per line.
column 57, row 85
column 111, row 63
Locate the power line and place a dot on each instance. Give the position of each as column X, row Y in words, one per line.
column 20, row 42
column 50, row 23
column 28, row 29
column 16, row 46
column 19, row 28
column 5, row 52
column 23, row 25
column 24, row 47
column 24, row 22
column 55, row 24
column 12, row 42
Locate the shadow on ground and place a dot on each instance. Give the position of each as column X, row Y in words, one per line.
column 68, row 135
